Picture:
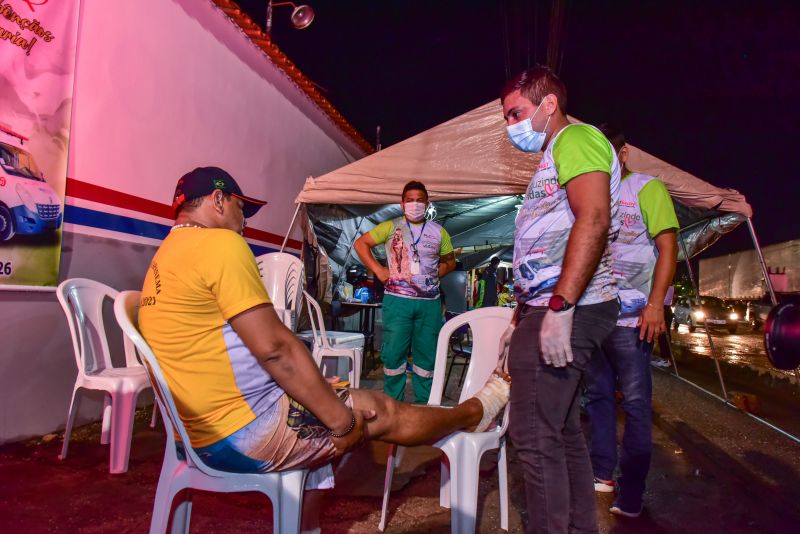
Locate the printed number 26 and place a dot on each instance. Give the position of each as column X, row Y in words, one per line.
column 5, row 268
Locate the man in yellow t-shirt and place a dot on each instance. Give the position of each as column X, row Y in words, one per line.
column 247, row 390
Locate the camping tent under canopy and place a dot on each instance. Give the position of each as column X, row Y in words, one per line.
column 476, row 180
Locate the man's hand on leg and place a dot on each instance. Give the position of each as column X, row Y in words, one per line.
column 355, row 436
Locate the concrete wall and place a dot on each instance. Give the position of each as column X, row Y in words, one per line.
column 161, row 87
column 739, row 275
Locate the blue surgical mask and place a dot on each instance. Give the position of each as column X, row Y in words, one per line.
column 524, row 137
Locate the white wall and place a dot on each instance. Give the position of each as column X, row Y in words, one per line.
column 161, row 86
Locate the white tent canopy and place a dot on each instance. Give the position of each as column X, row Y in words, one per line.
column 475, row 179
column 470, row 157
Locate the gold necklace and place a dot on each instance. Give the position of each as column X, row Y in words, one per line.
column 187, row 225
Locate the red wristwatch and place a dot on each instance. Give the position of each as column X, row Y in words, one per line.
column 557, row 303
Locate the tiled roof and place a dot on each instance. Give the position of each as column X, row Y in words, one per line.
column 263, row 41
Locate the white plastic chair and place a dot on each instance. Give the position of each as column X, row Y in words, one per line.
column 82, row 301
column 283, row 276
column 284, row 489
column 328, row 343
column 458, row 488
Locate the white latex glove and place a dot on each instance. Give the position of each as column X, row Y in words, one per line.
column 554, row 337
column 505, row 341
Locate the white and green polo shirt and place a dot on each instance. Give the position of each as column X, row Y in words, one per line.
column 645, row 210
column 431, row 240
column 545, row 219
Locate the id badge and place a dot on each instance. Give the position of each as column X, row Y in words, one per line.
column 414, row 267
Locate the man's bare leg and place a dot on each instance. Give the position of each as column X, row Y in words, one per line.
column 408, row 424
column 403, row 424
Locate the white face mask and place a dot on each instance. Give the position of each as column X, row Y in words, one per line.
column 415, row 211
column 524, row 137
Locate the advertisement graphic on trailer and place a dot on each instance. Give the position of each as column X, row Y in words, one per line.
column 37, row 61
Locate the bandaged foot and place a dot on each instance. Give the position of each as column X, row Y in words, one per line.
column 493, row 397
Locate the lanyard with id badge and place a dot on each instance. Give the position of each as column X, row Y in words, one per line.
column 415, row 260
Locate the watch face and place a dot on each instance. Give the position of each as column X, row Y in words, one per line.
column 557, row 303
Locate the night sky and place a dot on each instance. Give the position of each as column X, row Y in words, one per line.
column 712, row 87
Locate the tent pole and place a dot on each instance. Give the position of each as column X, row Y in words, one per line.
column 761, row 261
column 674, row 360
column 671, row 352
column 291, row 226
column 705, row 319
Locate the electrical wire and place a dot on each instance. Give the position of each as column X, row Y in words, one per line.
column 505, row 37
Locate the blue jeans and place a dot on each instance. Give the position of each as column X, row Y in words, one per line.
column 545, row 424
column 625, row 360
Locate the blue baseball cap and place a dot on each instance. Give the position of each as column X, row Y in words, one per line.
column 203, row 181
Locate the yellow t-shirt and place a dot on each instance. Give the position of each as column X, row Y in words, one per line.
column 198, row 279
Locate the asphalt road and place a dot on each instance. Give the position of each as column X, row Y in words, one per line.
column 751, row 382
column 743, row 348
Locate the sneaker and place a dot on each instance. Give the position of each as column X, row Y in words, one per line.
column 660, row 362
column 604, row 486
column 616, row 510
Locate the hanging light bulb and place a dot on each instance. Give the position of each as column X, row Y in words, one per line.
column 302, row 17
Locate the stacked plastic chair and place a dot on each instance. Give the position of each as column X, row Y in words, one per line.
column 331, row 344
column 82, row 301
column 283, row 276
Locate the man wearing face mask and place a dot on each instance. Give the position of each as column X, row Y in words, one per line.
column 644, row 257
column 566, row 294
column 418, row 254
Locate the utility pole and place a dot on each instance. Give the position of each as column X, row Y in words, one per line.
column 555, row 34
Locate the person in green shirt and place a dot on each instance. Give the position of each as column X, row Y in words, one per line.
column 479, row 290
column 644, row 256
column 418, row 253
column 566, row 295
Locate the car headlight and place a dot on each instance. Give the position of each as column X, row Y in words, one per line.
column 26, row 197
column 734, row 316
column 698, row 314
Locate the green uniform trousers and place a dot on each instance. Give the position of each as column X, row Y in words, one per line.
column 408, row 323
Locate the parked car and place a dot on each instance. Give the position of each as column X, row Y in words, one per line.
column 758, row 310
column 740, row 307
column 694, row 312
column 28, row 205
